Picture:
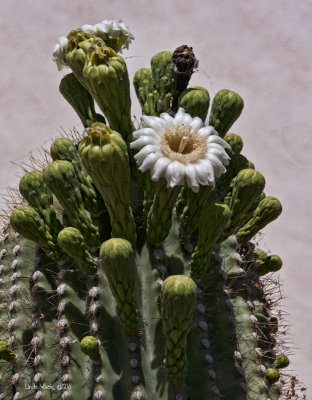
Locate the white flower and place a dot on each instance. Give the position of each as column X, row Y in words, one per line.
column 106, row 30
column 111, row 29
column 59, row 52
column 180, row 149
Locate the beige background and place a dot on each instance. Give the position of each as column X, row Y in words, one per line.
column 261, row 49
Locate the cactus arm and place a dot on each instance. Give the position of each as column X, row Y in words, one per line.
column 44, row 344
column 71, row 291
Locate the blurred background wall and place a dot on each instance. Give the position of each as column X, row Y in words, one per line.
column 261, row 49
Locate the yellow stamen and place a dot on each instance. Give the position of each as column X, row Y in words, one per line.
column 183, row 144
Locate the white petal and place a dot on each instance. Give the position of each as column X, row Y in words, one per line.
column 202, row 173
column 191, row 178
column 196, row 123
column 145, row 132
column 153, row 122
column 143, row 141
column 187, row 119
column 139, row 157
column 217, row 139
column 160, row 166
column 179, row 117
column 167, row 118
column 210, row 170
column 219, row 167
column 149, row 161
column 206, row 131
column 175, row 174
column 218, row 152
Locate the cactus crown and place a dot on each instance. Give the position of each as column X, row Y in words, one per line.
column 131, row 274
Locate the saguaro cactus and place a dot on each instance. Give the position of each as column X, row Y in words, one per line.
column 127, row 272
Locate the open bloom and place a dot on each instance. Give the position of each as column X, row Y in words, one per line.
column 180, row 149
column 107, row 30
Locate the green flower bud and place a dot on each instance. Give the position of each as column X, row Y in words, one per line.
column 195, row 101
column 281, row 361
column 178, row 301
column 226, row 108
column 72, row 242
column 271, row 375
column 119, row 266
column 236, row 143
column 90, row 346
column 6, row 353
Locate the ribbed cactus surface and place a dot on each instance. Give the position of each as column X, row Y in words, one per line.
column 127, row 272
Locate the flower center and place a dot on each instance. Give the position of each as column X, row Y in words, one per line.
column 182, row 143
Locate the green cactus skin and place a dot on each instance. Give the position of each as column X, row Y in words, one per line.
column 118, row 261
column 104, row 155
column 144, row 89
column 61, row 178
column 162, row 74
column 80, row 99
column 72, row 242
column 213, row 220
column 178, row 300
column 226, row 108
column 195, row 101
column 6, row 352
column 159, row 219
column 236, row 143
column 106, row 75
column 90, row 346
column 281, row 361
column 134, row 298
column 267, row 211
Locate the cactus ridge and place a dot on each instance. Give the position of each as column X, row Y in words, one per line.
column 120, row 284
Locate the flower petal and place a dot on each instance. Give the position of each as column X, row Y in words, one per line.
column 202, row 173
column 175, row 174
column 167, row 118
column 179, row 117
column 155, row 123
column 217, row 139
column 196, row 123
column 145, row 151
column 206, row 131
column 143, row 141
column 218, row 152
column 145, row 132
column 191, row 178
column 218, row 166
column 149, row 161
column 160, row 166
